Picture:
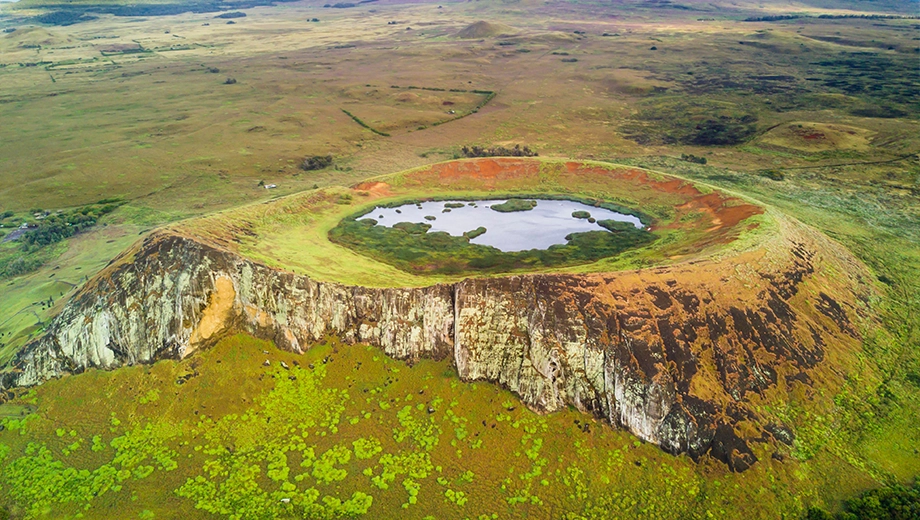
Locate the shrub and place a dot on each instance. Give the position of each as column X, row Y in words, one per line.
column 888, row 503
column 775, row 175
column 723, row 132
column 316, row 162
column 689, row 157
column 497, row 151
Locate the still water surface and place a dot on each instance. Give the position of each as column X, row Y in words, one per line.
column 545, row 225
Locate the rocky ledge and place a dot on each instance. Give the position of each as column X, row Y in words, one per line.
column 672, row 354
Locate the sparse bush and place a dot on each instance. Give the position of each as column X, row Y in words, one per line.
column 723, row 132
column 775, row 175
column 497, row 151
column 64, row 18
column 880, row 112
column 689, row 157
column 888, row 503
column 316, row 162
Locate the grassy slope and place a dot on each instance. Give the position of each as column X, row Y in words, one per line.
column 234, row 434
column 874, row 422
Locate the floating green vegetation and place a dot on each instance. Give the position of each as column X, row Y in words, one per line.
column 616, row 226
column 512, row 205
column 581, row 214
column 474, row 233
column 410, row 247
column 413, row 228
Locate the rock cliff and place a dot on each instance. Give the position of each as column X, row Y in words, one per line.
column 672, row 354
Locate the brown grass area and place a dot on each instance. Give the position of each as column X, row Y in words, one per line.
column 819, row 137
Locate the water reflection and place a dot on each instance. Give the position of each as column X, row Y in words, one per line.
column 545, row 225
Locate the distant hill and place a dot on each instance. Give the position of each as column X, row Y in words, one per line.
column 909, row 7
column 483, row 29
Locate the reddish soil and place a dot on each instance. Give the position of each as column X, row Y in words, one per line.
column 487, row 170
column 380, row 189
column 725, row 212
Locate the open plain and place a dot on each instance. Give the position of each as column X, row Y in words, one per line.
column 190, row 328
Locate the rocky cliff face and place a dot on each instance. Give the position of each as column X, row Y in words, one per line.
column 670, row 353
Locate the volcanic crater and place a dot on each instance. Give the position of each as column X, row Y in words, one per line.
column 688, row 341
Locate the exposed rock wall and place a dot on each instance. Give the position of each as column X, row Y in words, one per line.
column 668, row 353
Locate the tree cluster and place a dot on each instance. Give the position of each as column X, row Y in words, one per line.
column 689, row 157
column 497, row 151
column 316, row 162
column 57, row 227
column 888, row 503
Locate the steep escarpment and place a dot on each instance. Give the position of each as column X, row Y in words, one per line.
column 675, row 354
column 175, row 294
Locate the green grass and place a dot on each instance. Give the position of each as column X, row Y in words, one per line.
column 345, row 430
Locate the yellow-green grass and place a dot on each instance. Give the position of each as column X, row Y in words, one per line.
column 230, row 432
column 292, row 233
column 158, row 129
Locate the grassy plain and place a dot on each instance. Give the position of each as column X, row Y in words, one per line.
column 137, row 108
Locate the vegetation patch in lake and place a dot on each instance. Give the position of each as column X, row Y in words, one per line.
column 474, row 238
column 515, row 205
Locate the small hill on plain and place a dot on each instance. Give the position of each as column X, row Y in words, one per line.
column 483, row 29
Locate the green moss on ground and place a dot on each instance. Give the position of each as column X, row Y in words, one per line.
column 346, row 432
